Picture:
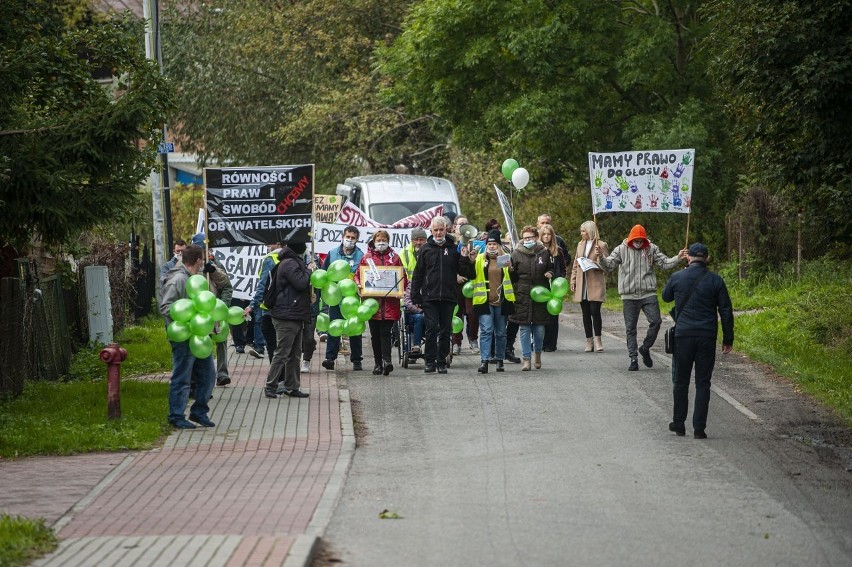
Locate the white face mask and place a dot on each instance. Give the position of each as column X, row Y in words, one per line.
column 637, row 244
column 492, row 253
column 381, row 246
column 438, row 241
column 348, row 243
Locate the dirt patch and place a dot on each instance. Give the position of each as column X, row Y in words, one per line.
column 324, row 556
column 358, row 421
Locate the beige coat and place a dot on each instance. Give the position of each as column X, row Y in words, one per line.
column 595, row 279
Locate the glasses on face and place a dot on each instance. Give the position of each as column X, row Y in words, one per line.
column 528, row 238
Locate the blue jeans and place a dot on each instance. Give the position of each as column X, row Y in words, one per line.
column 184, row 365
column 332, row 346
column 417, row 324
column 492, row 327
column 534, row 332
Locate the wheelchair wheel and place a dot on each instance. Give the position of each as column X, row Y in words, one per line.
column 405, row 360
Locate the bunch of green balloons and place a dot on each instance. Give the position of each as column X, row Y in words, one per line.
column 458, row 323
column 195, row 318
column 338, row 288
column 553, row 297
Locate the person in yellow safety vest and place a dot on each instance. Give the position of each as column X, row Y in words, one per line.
column 409, row 254
column 493, row 299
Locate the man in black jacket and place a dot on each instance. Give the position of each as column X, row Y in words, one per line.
column 695, row 335
column 433, row 289
column 292, row 310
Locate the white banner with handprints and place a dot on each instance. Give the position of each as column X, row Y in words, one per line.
column 657, row 181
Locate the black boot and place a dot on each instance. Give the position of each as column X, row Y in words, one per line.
column 387, row 369
column 377, row 369
column 510, row 356
column 500, row 366
column 483, row 368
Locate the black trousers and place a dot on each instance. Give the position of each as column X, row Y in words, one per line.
column 381, row 339
column 591, row 317
column 699, row 352
column 551, row 333
column 511, row 335
column 439, row 329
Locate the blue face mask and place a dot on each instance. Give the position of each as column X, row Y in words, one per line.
column 529, row 245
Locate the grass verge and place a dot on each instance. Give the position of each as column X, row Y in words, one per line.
column 23, row 541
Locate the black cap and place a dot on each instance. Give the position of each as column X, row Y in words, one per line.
column 698, row 250
column 493, row 236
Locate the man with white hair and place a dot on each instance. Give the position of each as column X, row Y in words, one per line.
column 433, row 289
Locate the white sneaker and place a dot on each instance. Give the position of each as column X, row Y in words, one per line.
column 306, row 366
column 474, row 348
column 456, row 349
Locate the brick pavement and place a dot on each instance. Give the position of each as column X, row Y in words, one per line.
column 257, row 489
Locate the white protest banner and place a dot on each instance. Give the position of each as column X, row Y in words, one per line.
column 199, row 224
column 658, row 181
column 351, row 214
column 508, row 216
column 242, row 264
column 328, row 236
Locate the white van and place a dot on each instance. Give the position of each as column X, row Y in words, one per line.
column 388, row 198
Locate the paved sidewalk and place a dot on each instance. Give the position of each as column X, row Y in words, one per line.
column 257, row 489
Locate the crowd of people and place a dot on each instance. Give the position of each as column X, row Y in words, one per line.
column 497, row 306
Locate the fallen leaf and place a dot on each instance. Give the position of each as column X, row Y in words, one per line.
column 388, row 515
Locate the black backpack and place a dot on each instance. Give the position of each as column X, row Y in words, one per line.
column 270, row 294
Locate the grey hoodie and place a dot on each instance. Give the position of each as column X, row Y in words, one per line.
column 174, row 288
column 636, row 276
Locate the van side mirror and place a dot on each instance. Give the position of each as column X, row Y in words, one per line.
column 345, row 190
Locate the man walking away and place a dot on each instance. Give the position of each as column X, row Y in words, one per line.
column 699, row 295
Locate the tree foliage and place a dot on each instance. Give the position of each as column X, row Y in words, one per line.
column 265, row 83
column 784, row 70
column 70, row 154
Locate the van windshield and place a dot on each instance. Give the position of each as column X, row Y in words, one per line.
column 389, row 213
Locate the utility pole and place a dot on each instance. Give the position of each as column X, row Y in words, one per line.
column 160, row 193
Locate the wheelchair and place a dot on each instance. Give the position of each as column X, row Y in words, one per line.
column 403, row 339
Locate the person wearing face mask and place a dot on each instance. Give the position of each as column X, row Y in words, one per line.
column 493, row 300
column 433, row 289
column 635, row 259
column 349, row 251
column 382, row 322
column 531, row 268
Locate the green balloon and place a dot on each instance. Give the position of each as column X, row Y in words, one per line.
column 195, row 285
column 222, row 335
column 339, row 270
column 354, row 327
column 458, row 325
column 508, row 168
column 540, row 294
column 559, row 287
column 372, row 304
column 455, row 310
column 335, row 328
column 319, row 279
column 178, row 331
column 467, row 289
column 204, row 301
column 235, row 315
column 364, row 312
column 323, row 321
column 349, row 306
column 331, row 294
column 201, row 324
column 200, row 346
column 554, row 306
column 348, row 287
column 182, row 310
column 220, row 311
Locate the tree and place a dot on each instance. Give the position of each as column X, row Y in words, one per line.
column 265, row 83
column 546, row 82
column 785, row 73
column 73, row 151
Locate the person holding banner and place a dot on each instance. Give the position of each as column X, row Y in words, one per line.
column 530, row 268
column 379, row 253
column 349, row 251
column 588, row 282
column 433, row 289
column 637, row 284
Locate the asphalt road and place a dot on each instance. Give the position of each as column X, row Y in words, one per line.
column 573, row 465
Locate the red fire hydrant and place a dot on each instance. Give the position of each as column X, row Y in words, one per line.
column 113, row 355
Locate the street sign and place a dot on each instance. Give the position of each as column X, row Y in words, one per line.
column 165, row 148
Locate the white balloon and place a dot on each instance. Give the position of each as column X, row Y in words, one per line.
column 520, row 178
